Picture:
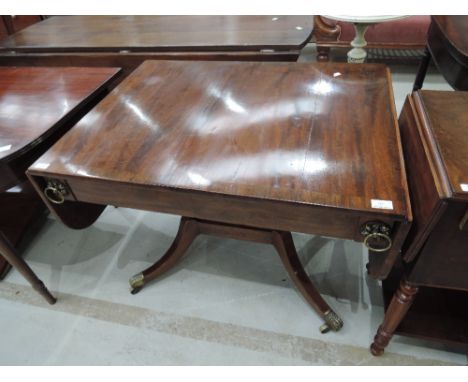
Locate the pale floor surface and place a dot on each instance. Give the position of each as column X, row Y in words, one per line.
column 227, row 303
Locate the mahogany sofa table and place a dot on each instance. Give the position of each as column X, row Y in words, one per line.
column 250, row 151
column 37, row 106
column 126, row 41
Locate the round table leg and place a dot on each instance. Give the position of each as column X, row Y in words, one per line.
column 358, row 54
column 10, row 255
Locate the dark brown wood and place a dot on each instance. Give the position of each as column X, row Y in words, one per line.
column 437, row 314
column 34, row 94
column 127, row 41
column 422, row 70
column 323, row 33
column 287, row 130
column 190, row 228
column 9, row 253
column 434, row 127
column 130, row 61
column 425, row 199
column 447, row 42
column 14, row 24
column 400, row 304
column 448, row 121
column 8, row 23
column 22, row 213
column 37, row 106
column 284, row 245
column 279, row 143
column 164, row 33
column 443, row 261
column 188, row 231
column 255, row 147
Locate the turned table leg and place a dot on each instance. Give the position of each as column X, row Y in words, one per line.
column 401, row 302
column 9, row 253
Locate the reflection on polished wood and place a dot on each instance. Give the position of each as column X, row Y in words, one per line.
column 447, row 45
column 448, row 122
column 33, row 100
column 164, row 33
column 285, row 147
column 276, row 132
column 37, row 106
column 126, row 41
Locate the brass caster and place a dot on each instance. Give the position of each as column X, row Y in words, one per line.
column 332, row 322
column 136, row 283
column 136, row 290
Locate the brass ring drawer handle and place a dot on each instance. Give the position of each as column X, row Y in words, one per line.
column 54, row 195
column 55, row 192
column 378, row 235
column 376, row 231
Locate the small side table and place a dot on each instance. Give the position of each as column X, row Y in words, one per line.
column 358, row 54
column 434, row 127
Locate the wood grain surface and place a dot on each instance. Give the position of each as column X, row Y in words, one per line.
column 448, row 121
column 163, row 33
column 34, row 100
column 259, row 130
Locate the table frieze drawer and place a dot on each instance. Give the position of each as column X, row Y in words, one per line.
column 380, row 233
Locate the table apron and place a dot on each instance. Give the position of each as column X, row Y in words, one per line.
column 261, row 213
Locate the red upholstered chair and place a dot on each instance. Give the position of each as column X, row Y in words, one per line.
column 407, row 33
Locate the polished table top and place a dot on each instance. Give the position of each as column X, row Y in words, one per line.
column 163, row 33
column 305, row 133
column 34, row 100
column 448, row 121
column 37, row 105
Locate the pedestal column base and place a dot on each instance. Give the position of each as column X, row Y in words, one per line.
column 190, row 228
